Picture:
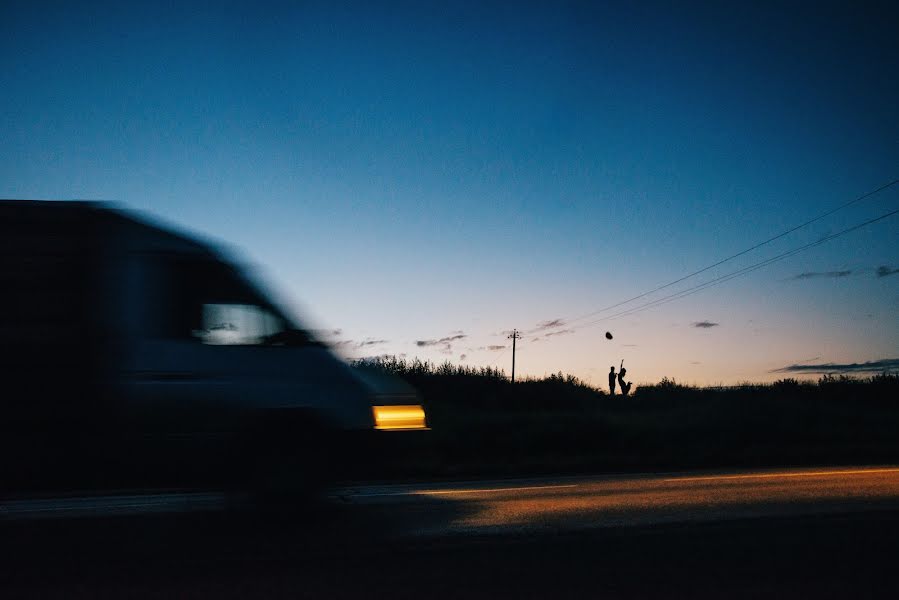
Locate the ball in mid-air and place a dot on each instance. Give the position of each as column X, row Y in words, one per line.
column 608, row 335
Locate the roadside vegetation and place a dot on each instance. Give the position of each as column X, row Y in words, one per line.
column 483, row 424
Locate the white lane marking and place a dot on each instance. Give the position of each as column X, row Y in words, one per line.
column 460, row 491
column 777, row 475
column 495, row 490
column 121, row 505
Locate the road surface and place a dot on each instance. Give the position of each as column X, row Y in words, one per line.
column 785, row 533
column 573, row 504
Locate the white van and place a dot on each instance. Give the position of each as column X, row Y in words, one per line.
column 132, row 355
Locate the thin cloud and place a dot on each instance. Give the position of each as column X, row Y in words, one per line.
column 881, row 271
column 374, row 358
column 327, row 333
column 495, row 348
column 454, row 337
column 705, row 324
column 356, row 345
column 874, row 366
column 551, row 324
column 823, row 274
column 463, row 356
column 445, row 347
column 808, row 360
column 444, row 340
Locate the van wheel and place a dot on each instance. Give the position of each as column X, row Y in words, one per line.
column 292, row 474
column 290, row 480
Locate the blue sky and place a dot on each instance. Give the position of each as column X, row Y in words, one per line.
column 404, row 172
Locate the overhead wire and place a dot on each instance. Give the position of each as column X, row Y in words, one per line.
column 570, row 323
column 731, row 257
column 734, row 274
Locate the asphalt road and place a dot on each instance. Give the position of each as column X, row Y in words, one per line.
column 787, row 533
column 573, row 504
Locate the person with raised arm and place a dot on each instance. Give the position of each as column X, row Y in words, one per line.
column 624, row 385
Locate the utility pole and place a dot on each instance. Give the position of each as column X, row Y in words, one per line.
column 514, row 336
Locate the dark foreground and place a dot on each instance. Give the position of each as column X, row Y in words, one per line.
column 823, row 533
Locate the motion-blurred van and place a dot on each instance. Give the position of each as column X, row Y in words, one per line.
column 135, row 356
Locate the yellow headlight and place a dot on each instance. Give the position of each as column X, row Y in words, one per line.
column 409, row 416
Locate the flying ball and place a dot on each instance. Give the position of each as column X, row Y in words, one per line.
column 608, row 335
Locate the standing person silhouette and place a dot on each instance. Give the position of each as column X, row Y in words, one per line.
column 612, row 381
column 625, row 385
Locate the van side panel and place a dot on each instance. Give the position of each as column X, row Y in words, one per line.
column 53, row 335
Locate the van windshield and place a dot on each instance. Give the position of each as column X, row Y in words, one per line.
column 209, row 301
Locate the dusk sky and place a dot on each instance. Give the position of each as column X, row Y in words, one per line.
column 423, row 178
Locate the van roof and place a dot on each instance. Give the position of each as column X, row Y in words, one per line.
column 79, row 213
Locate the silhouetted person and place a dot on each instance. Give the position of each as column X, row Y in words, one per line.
column 625, row 385
column 612, row 381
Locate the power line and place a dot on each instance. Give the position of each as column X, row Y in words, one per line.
column 738, row 273
column 732, row 275
column 499, row 356
column 738, row 254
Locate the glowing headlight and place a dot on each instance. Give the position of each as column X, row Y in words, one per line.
column 409, row 416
